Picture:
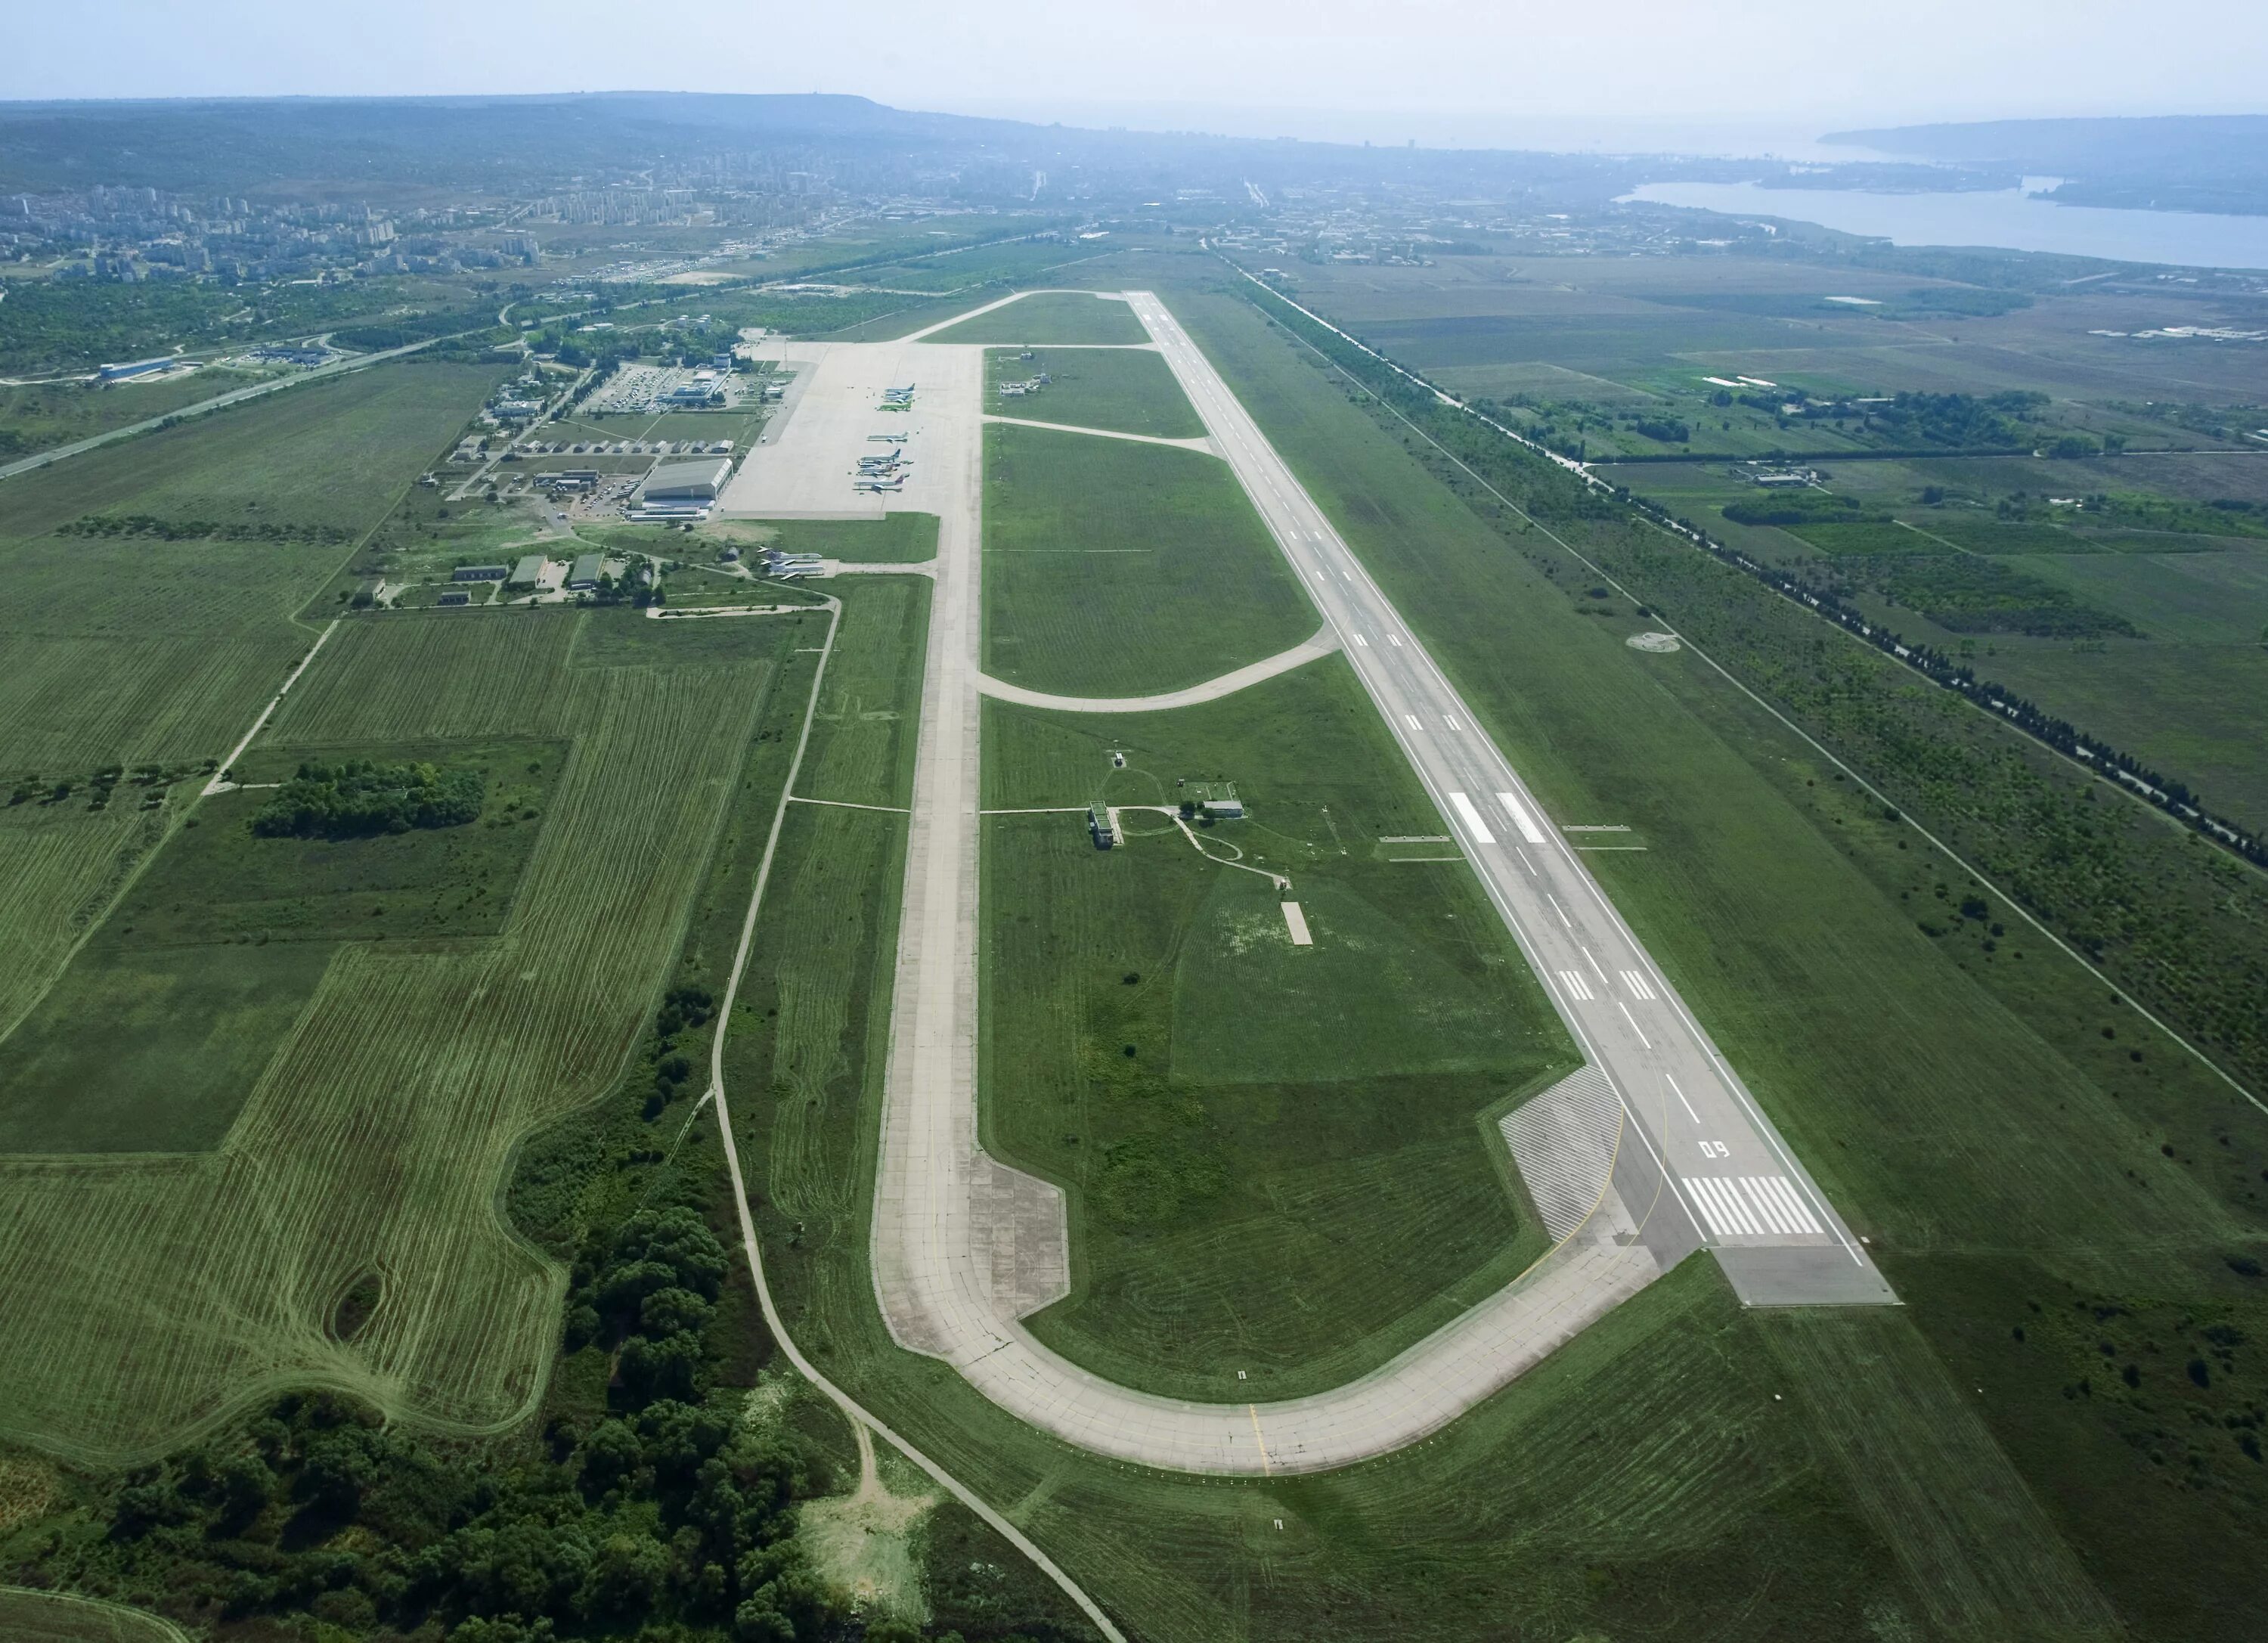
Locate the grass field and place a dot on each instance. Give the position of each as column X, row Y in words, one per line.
column 1114, row 568
column 29, row 1617
column 373, row 1138
column 1052, row 318
column 1966, row 1107
column 1276, row 1157
column 1127, row 390
column 895, row 538
column 42, row 415
column 134, row 647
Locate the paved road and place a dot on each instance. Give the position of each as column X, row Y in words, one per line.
column 1211, row 691
column 1736, row 1187
column 1198, row 444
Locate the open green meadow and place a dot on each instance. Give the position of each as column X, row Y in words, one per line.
column 38, row 416
column 150, row 585
column 371, row 1136
column 29, row 1617
column 1280, row 1160
column 894, row 538
column 1116, row 568
column 1125, row 390
column 2011, row 1145
column 1051, row 317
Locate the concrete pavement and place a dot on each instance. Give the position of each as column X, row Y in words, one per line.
column 1211, row 691
column 1732, row 1185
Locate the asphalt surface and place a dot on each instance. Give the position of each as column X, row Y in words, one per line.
column 1732, row 1185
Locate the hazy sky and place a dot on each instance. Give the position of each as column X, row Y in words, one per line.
column 1439, row 71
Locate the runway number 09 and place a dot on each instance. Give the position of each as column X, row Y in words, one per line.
column 1715, row 1149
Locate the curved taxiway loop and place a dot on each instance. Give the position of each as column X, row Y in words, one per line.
column 963, row 1246
column 1299, row 655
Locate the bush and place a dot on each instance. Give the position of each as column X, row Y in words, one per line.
column 359, row 798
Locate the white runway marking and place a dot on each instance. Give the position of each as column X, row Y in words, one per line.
column 1471, row 817
column 1576, row 986
column 1524, row 861
column 1555, row 904
column 1359, row 639
column 1296, row 922
column 1451, row 720
column 1636, row 982
column 1412, row 718
column 1521, row 818
column 1395, row 639
column 1593, row 964
column 1752, row 1205
column 1681, row 1101
column 1634, row 1027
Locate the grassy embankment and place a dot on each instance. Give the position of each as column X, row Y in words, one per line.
column 1127, row 391
column 1280, row 1161
column 1114, row 568
column 2059, row 1192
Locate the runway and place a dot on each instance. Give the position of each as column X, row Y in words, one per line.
column 1734, row 1186
column 1651, row 1151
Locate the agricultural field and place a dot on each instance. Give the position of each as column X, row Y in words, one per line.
column 376, row 1089
column 38, row 416
column 29, row 1617
column 1116, row 568
column 151, row 586
column 1052, row 318
column 1280, row 1160
column 1128, row 391
column 2005, row 1138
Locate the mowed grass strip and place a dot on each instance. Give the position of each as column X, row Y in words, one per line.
column 171, row 1291
column 1275, row 1155
column 1051, row 316
column 1126, row 390
column 1114, row 568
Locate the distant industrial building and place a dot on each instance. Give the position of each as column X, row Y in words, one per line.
column 586, row 572
column 289, row 354
column 1215, row 799
column 479, row 573
column 454, row 597
column 1099, row 823
column 529, row 571
column 136, row 368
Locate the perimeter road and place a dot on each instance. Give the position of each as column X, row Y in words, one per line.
column 1741, row 1191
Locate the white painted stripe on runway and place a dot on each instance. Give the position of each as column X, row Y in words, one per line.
column 1465, row 808
column 1724, row 1209
column 1681, row 1101
column 1451, row 719
column 1636, row 982
column 1634, row 1026
column 1524, row 861
column 1521, row 818
column 1785, row 1188
column 1572, row 980
column 1593, row 964
column 1717, row 1225
column 1395, row 639
column 1296, row 922
column 1359, row 639
column 1412, row 718
column 1555, row 904
column 1768, row 1209
column 1735, row 1207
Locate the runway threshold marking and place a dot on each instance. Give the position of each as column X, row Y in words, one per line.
column 1636, row 982
column 1576, row 986
column 1466, row 809
column 1751, row 1205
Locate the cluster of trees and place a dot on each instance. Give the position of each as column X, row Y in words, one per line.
column 200, row 530
column 360, row 797
column 667, row 1518
column 1807, row 506
column 1961, row 419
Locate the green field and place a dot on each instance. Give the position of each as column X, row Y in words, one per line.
column 2011, row 1145
column 1280, row 1159
column 375, row 1133
column 124, row 644
column 30, row 1617
column 1115, row 568
column 1052, row 318
column 1868, row 537
column 38, row 417
column 1128, row 391
column 894, row 538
